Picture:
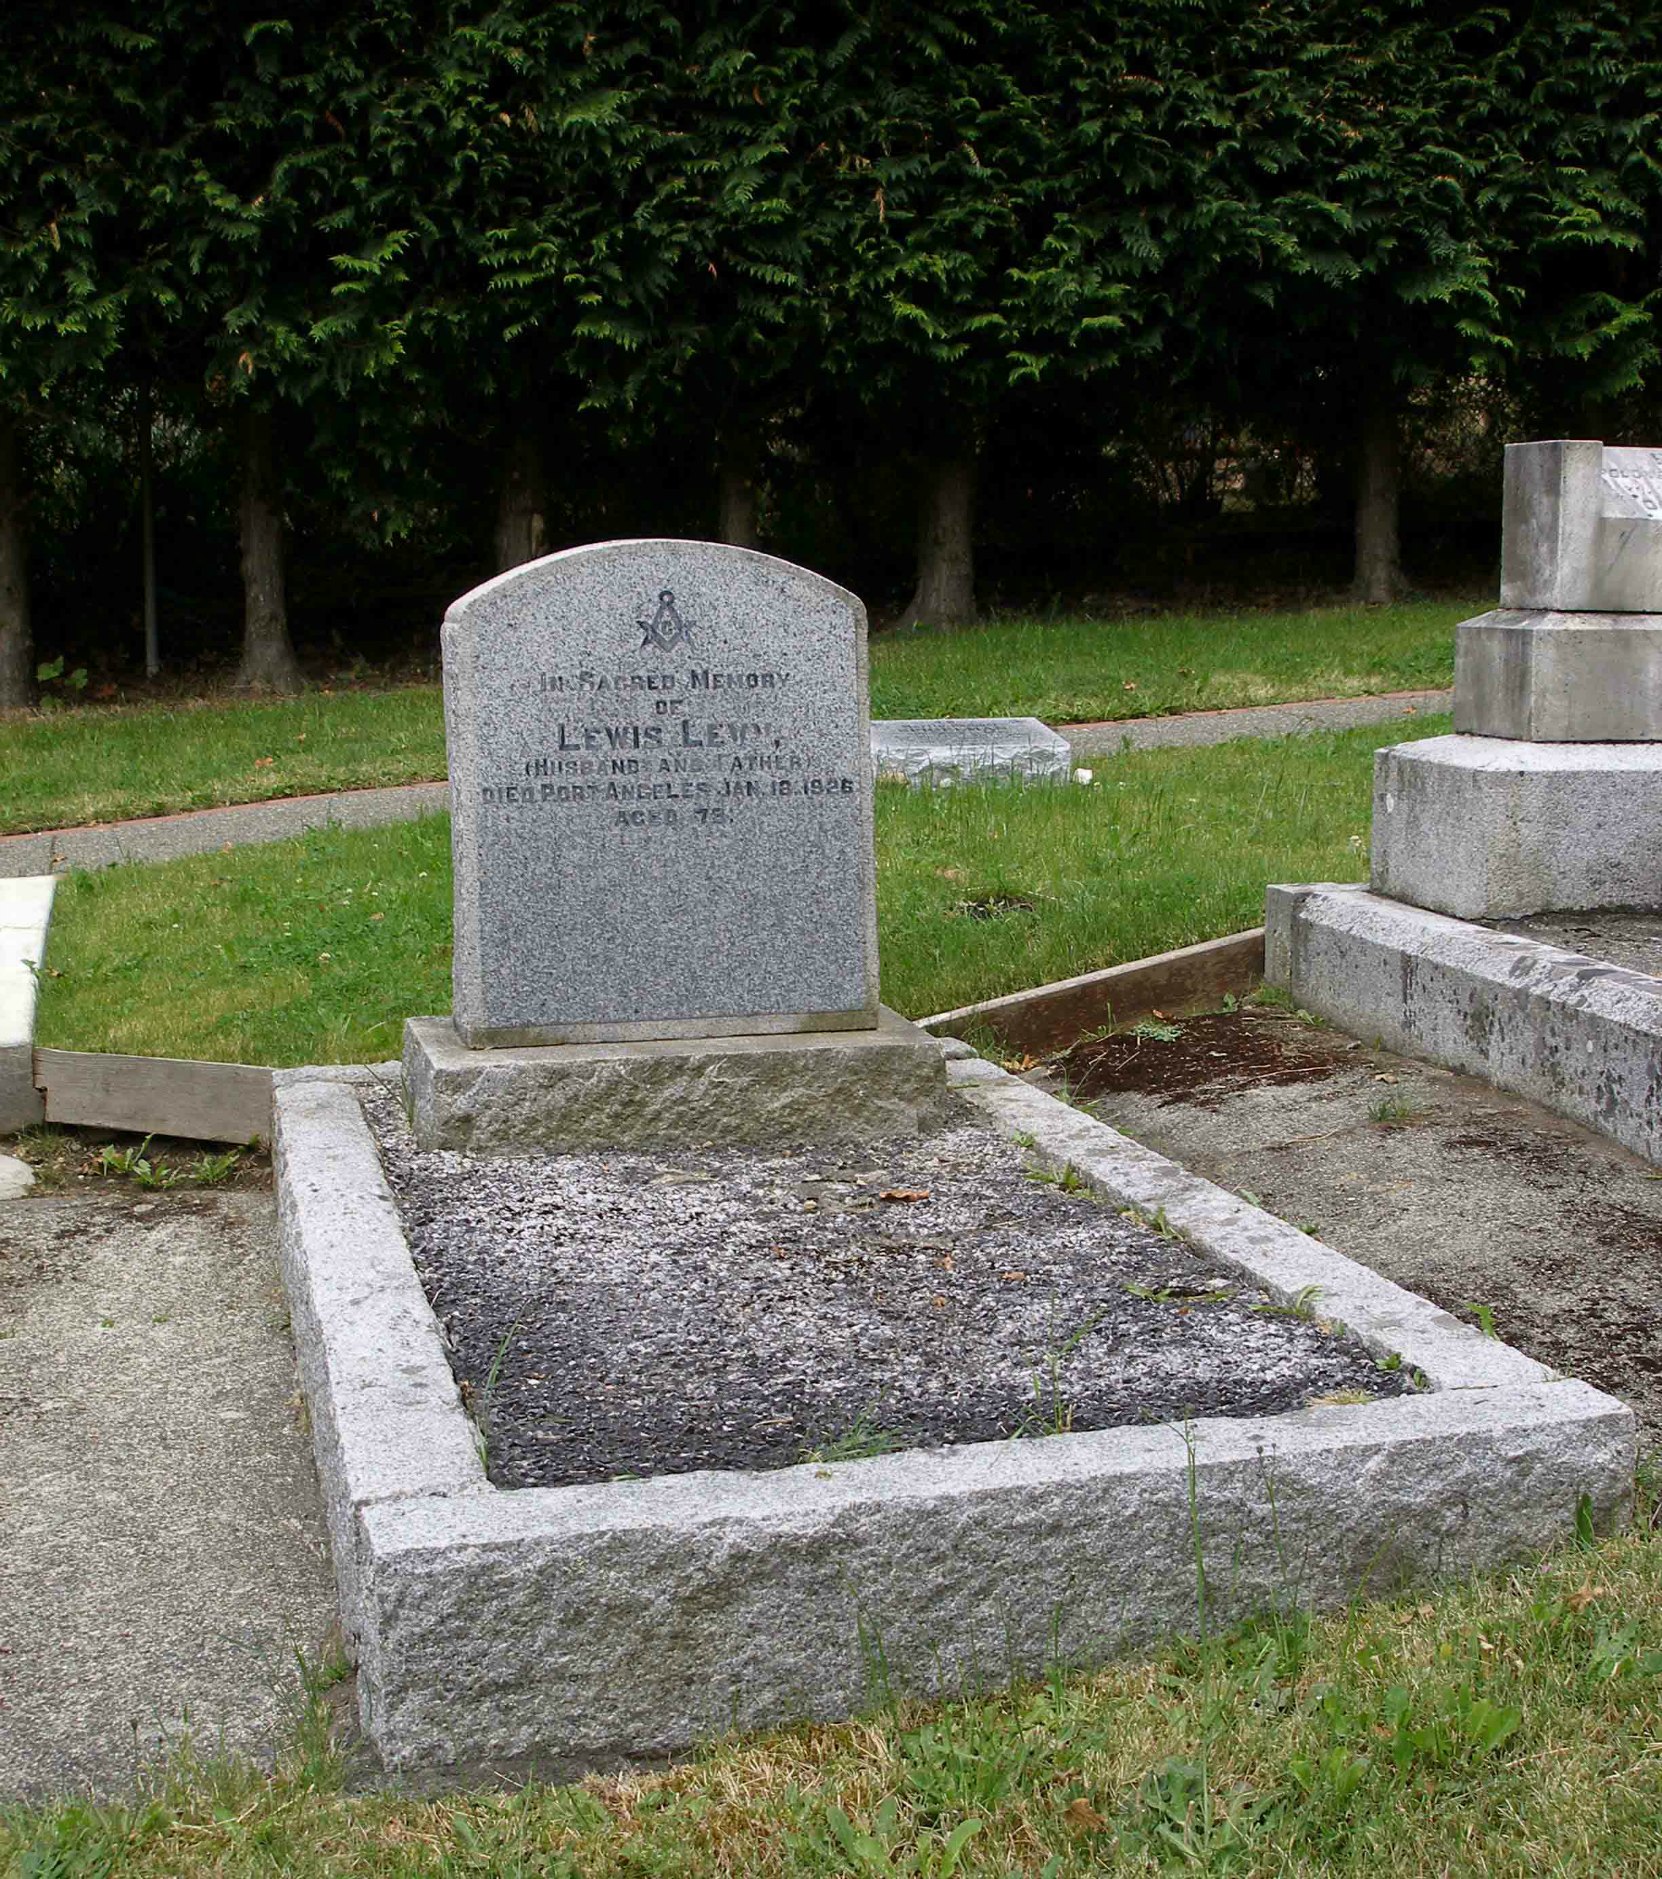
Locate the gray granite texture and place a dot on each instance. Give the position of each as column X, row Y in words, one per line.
column 660, row 773
column 625, row 1313
column 1490, row 828
column 387, row 1421
column 818, row 1086
column 1583, row 678
column 552, row 1629
column 1581, row 528
column 1575, row 1033
column 925, row 751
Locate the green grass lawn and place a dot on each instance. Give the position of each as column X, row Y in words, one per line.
column 98, row 763
column 316, row 950
column 1070, row 672
column 104, row 763
column 1506, row 1729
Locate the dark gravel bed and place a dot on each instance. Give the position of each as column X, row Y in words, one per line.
column 627, row 1315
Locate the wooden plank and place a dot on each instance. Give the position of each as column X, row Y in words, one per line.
column 206, row 1102
column 1050, row 1017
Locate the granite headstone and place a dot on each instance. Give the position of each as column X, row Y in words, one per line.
column 661, row 785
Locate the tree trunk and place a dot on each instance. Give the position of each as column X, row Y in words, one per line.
column 522, row 511
column 268, row 661
column 147, row 532
column 736, row 487
column 945, row 593
column 1379, row 472
column 17, row 653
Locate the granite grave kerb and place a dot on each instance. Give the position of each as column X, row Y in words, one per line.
column 662, row 794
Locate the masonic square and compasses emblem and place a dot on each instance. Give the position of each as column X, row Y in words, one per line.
column 666, row 628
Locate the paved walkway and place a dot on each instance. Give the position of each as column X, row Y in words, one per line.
column 201, row 831
column 162, row 1554
column 1111, row 736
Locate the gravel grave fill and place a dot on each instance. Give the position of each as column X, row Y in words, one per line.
column 624, row 1315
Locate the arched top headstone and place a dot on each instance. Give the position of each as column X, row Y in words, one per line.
column 661, row 786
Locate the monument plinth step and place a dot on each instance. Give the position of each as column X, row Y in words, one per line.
column 1490, row 828
column 1584, row 678
column 818, row 1086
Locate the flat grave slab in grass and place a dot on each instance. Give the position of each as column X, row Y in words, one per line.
column 624, row 1315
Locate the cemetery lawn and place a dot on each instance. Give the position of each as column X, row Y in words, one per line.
column 1507, row 1727
column 98, row 763
column 316, row 950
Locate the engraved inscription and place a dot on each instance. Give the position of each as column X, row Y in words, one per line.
column 656, row 738
column 1632, row 482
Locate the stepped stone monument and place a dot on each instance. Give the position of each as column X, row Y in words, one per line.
column 665, row 902
column 1546, row 800
column 1548, row 797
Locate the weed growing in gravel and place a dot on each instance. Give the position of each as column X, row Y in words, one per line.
column 137, row 1164
column 1155, row 1031
column 1219, row 1293
column 1067, row 1178
column 1155, row 1223
column 211, row 1169
column 1485, row 1316
column 1393, row 1110
column 1278, row 998
column 479, row 1402
column 863, row 1440
column 1052, row 1410
column 1301, row 1305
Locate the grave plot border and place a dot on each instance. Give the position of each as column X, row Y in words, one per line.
column 1051, row 1017
column 553, row 1630
column 1576, row 1034
column 25, row 918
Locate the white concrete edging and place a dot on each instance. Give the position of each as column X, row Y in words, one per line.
column 25, row 915
column 1578, row 1035
column 563, row 1628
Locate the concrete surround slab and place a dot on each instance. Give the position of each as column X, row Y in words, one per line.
column 814, row 1085
column 1488, row 828
column 1576, row 1034
column 25, row 915
column 564, row 1628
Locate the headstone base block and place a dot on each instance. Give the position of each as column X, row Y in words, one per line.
column 826, row 1086
column 1491, row 828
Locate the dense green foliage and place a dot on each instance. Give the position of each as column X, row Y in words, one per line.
column 592, row 255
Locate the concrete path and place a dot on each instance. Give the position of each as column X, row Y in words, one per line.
column 162, row 1556
column 201, row 831
column 1113, row 735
